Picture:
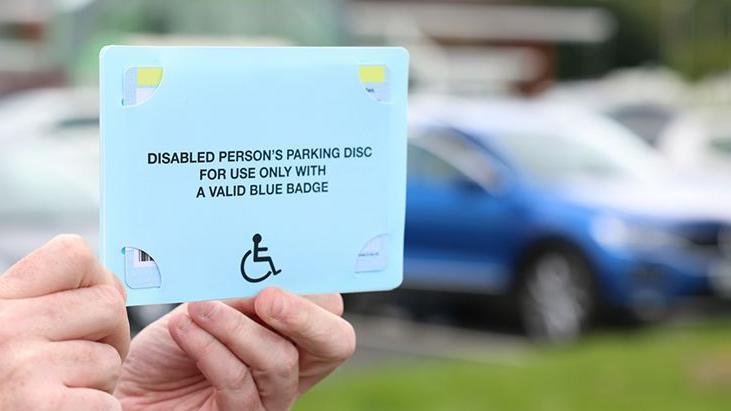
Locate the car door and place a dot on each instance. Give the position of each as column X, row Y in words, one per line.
column 458, row 218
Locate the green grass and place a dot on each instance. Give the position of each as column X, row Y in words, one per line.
column 668, row 369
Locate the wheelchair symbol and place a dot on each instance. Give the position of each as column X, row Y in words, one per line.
column 258, row 258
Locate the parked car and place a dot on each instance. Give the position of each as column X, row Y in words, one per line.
column 700, row 141
column 648, row 121
column 49, row 175
column 49, row 160
column 561, row 209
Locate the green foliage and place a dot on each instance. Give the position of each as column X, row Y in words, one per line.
column 672, row 369
column 691, row 36
column 306, row 22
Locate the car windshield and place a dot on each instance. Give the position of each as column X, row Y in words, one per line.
column 51, row 175
column 598, row 150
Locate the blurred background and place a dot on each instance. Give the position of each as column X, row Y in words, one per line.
column 568, row 236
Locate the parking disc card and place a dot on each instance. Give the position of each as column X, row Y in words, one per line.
column 228, row 170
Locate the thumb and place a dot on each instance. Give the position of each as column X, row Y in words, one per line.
column 64, row 263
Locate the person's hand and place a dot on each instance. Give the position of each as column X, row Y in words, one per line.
column 63, row 331
column 252, row 354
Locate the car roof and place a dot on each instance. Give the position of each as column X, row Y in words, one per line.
column 482, row 117
column 35, row 112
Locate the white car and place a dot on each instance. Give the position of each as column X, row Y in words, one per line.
column 700, row 141
column 49, row 155
column 49, row 174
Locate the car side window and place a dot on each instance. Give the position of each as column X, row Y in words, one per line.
column 424, row 165
column 445, row 157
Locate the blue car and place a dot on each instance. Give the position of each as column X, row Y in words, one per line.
column 562, row 210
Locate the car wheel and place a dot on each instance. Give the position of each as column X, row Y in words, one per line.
column 556, row 297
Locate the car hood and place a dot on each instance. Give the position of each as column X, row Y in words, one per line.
column 671, row 198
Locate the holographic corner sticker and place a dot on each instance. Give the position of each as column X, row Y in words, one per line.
column 140, row 84
column 375, row 80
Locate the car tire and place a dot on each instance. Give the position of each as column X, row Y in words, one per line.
column 556, row 298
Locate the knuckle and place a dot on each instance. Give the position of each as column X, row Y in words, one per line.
column 348, row 343
column 108, row 357
column 237, row 326
column 239, row 378
column 74, row 247
column 208, row 347
column 286, row 363
column 288, row 360
column 109, row 306
column 50, row 314
column 109, row 297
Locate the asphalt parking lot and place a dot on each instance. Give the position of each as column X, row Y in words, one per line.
column 385, row 338
column 382, row 339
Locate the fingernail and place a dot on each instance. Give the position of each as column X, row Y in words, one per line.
column 201, row 310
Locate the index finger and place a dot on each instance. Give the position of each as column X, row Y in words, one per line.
column 313, row 328
column 64, row 263
column 330, row 302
